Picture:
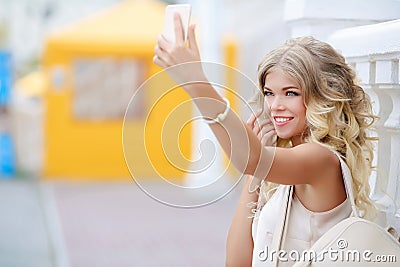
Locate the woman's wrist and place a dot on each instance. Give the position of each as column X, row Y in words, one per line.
column 188, row 75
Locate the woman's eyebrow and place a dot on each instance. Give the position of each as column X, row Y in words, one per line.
column 284, row 88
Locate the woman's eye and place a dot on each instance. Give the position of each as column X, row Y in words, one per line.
column 267, row 93
column 291, row 93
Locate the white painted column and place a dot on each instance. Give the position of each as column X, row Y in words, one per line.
column 393, row 126
column 382, row 151
column 204, row 144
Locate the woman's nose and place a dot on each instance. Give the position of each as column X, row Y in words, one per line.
column 276, row 103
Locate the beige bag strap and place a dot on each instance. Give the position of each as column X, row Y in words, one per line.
column 279, row 237
column 283, row 216
column 348, row 184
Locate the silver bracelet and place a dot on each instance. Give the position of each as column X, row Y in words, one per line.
column 221, row 116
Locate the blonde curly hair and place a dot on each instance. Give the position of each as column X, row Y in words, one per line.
column 339, row 113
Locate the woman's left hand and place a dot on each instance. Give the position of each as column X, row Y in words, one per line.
column 263, row 127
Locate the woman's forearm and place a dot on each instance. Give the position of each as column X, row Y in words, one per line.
column 238, row 141
column 239, row 245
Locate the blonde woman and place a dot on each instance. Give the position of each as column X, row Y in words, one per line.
column 317, row 112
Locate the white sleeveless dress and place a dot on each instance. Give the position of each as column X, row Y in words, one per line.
column 304, row 229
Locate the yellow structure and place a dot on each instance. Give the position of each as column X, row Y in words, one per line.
column 82, row 144
column 89, row 66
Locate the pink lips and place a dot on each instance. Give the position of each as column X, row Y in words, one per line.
column 282, row 120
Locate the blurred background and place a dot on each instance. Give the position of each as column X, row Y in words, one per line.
column 69, row 196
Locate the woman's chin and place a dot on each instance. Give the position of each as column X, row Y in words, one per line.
column 283, row 136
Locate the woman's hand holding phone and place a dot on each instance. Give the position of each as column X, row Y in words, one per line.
column 168, row 54
column 172, row 53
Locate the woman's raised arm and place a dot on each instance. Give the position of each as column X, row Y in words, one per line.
column 297, row 165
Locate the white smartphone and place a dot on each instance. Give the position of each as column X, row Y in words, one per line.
column 184, row 11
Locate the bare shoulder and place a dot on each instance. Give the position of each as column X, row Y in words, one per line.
column 317, row 157
column 324, row 189
column 315, row 152
column 303, row 164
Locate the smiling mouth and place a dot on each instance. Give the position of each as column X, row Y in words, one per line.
column 281, row 120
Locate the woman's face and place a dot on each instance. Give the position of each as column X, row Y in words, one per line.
column 284, row 99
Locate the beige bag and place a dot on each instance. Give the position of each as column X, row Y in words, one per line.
column 352, row 242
